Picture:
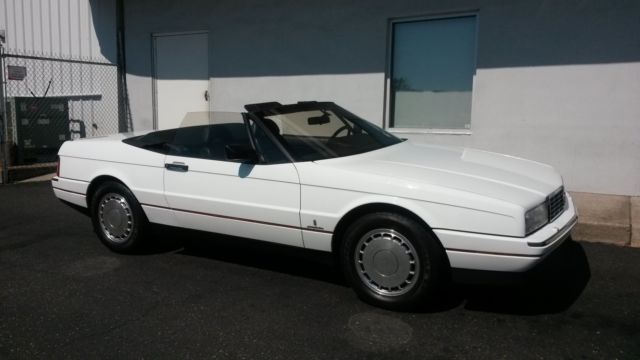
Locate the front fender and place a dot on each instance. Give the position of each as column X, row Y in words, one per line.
column 323, row 208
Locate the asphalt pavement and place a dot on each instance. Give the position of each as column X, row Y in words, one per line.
column 194, row 295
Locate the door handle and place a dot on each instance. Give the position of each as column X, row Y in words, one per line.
column 206, row 95
column 179, row 167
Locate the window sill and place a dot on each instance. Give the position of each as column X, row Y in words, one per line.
column 429, row 131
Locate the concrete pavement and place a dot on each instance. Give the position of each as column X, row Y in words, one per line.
column 63, row 295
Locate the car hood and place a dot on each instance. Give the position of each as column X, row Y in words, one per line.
column 419, row 166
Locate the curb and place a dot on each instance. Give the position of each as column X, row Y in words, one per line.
column 46, row 177
column 635, row 221
column 610, row 219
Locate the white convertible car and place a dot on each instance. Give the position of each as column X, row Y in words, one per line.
column 398, row 215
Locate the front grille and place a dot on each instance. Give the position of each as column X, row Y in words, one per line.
column 555, row 203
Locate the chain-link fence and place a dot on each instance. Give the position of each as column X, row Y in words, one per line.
column 51, row 100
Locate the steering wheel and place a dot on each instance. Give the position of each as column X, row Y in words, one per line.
column 341, row 129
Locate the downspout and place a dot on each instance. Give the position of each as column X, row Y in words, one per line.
column 124, row 115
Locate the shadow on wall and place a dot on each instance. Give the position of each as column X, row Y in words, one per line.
column 103, row 16
column 286, row 37
column 540, row 33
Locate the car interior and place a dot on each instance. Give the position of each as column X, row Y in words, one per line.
column 306, row 131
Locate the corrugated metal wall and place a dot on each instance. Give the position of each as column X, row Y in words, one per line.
column 59, row 28
column 65, row 43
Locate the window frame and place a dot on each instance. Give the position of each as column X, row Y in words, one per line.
column 389, row 70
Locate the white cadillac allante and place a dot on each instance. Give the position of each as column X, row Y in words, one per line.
column 397, row 215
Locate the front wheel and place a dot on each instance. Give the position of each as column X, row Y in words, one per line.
column 117, row 218
column 392, row 261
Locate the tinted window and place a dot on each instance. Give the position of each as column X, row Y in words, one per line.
column 154, row 141
column 433, row 64
column 208, row 141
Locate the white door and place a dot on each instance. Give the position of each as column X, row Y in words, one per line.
column 254, row 201
column 181, row 75
column 206, row 191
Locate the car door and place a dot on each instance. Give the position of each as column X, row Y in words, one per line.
column 208, row 192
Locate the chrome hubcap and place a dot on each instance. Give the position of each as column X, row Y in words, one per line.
column 387, row 262
column 116, row 218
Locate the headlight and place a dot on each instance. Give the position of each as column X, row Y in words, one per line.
column 536, row 218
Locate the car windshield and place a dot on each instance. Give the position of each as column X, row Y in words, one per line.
column 312, row 131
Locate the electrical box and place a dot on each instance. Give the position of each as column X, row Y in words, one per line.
column 38, row 127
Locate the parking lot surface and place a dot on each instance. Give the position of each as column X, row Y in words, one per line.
column 64, row 295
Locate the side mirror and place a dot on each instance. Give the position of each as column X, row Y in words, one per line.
column 241, row 153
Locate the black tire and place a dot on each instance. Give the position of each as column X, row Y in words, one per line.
column 393, row 262
column 117, row 218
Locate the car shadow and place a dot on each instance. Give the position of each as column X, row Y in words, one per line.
column 317, row 265
column 552, row 287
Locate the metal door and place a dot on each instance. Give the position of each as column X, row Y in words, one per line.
column 181, row 78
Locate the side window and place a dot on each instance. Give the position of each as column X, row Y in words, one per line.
column 190, row 142
column 207, row 141
column 210, row 141
column 154, row 141
column 222, row 135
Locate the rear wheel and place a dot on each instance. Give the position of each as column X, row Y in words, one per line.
column 117, row 217
column 392, row 261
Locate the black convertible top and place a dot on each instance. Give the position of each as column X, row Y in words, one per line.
column 262, row 106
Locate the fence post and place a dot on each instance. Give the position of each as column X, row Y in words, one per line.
column 123, row 123
column 4, row 148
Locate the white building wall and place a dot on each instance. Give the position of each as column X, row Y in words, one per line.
column 582, row 119
column 557, row 82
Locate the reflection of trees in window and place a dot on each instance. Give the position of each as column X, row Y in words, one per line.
column 401, row 84
column 432, row 70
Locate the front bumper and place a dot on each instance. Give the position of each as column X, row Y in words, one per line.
column 502, row 253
